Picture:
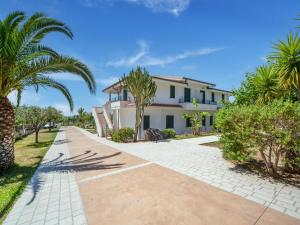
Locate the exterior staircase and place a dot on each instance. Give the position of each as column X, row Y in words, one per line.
column 102, row 120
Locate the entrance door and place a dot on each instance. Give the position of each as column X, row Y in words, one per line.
column 187, row 95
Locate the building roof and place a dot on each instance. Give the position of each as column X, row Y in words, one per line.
column 176, row 79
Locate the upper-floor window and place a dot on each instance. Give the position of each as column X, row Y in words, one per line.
column 202, row 93
column 172, row 91
column 213, row 96
column 187, row 95
column 223, row 97
column 125, row 95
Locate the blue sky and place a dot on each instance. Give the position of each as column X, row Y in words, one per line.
column 212, row 40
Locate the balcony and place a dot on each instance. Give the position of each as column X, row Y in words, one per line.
column 207, row 105
column 119, row 101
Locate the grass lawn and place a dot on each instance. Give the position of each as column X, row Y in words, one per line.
column 186, row 136
column 28, row 156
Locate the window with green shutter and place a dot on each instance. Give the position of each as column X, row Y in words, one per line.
column 223, row 97
column 213, row 96
column 172, row 91
column 169, row 121
column 188, row 122
column 204, row 121
column 146, row 122
column 211, row 120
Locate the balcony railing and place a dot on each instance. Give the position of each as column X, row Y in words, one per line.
column 199, row 101
column 120, row 98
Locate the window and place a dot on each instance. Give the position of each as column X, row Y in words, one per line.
column 202, row 96
column 213, row 96
column 188, row 122
column 204, row 121
column 223, row 97
column 169, row 121
column 211, row 120
column 146, row 122
column 187, row 95
column 125, row 95
column 172, row 91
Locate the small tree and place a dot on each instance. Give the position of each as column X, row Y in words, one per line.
column 140, row 84
column 36, row 117
column 195, row 118
column 53, row 116
column 272, row 130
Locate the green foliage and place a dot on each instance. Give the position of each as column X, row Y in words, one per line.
column 195, row 118
column 123, row 135
column 140, row 84
column 25, row 61
column 168, row 133
column 286, row 58
column 272, row 130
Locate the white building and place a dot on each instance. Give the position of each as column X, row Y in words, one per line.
column 173, row 98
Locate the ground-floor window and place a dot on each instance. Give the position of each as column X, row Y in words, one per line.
column 211, row 120
column 204, row 121
column 146, row 122
column 188, row 122
column 169, row 121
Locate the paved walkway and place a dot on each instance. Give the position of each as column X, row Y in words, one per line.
column 201, row 140
column 207, row 164
column 52, row 196
column 119, row 188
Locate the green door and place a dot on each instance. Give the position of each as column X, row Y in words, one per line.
column 187, row 95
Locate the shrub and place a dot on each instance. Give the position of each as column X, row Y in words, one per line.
column 122, row 135
column 271, row 130
column 168, row 133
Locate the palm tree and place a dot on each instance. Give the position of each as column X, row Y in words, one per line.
column 265, row 82
column 287, row 60
column 140, row 84
column 24, row 62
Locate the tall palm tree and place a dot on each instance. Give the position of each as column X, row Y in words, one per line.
column 25, row 61
column 140, row 84
column 265, row 82
column 287, row 60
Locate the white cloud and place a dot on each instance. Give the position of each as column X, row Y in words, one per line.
column 107, row 81
column 142, row 57
column 175, row 7
column 131, row 60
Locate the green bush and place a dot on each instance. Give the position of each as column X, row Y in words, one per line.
column 168, row 133
column 122, row 135
column 272, row 130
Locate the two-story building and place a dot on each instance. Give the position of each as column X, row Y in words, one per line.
column 173, row 98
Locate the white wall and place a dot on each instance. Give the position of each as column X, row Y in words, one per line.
column 158, row 118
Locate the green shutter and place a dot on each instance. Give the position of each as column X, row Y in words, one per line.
column 203, row 120
column 188, row 122
column 211, row 120
column 146, row 122
column 187, row 95
column 169, row 122
column 172, row 91
column 213, row 96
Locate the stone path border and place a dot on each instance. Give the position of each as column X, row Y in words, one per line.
column 207, row 164
column 52, row 196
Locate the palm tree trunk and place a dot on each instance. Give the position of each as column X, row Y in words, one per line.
column 7, row 134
